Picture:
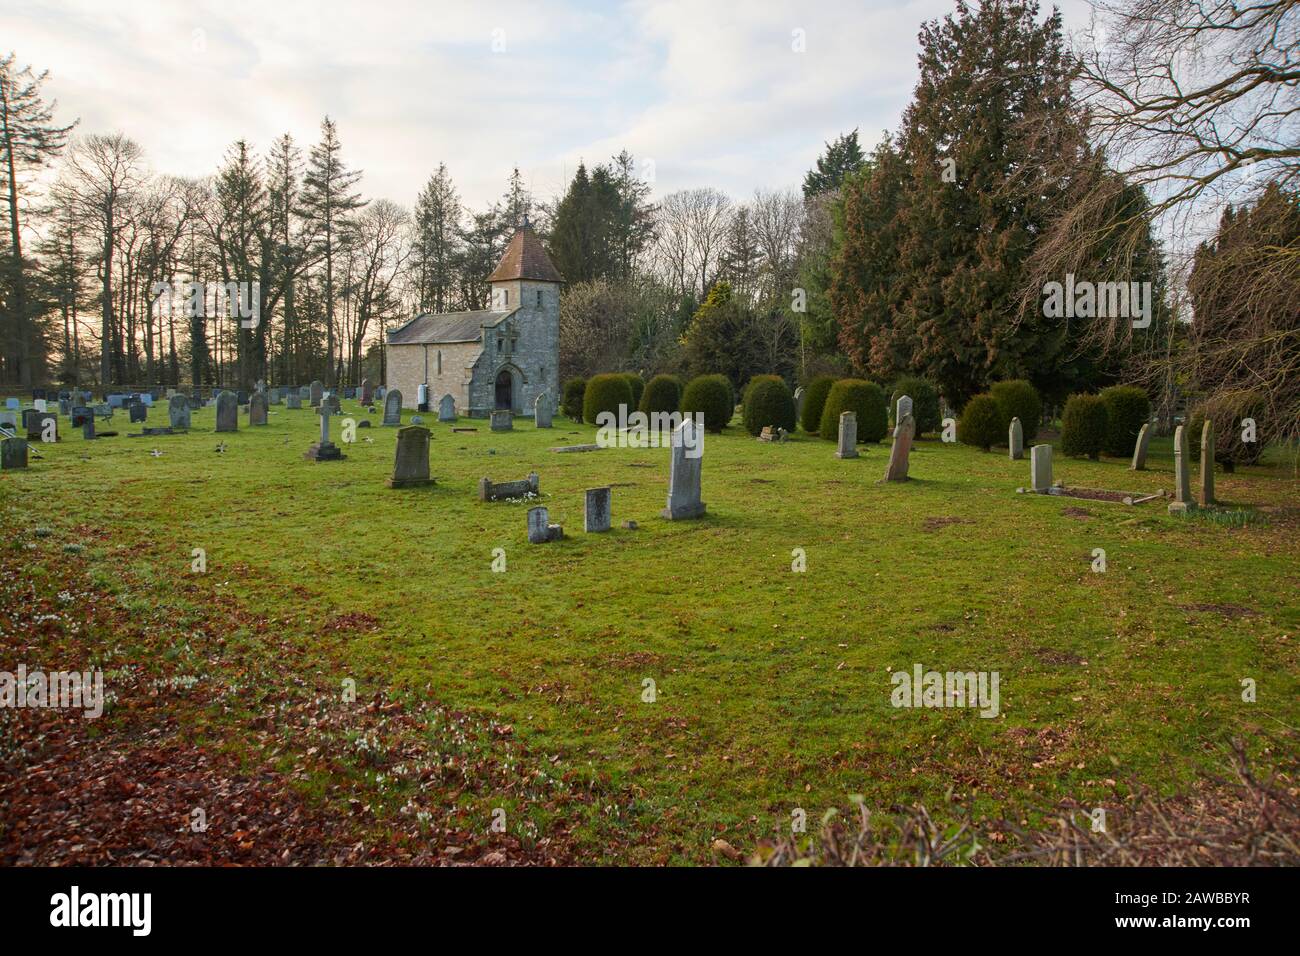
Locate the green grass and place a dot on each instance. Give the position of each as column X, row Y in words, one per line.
column 773, row 686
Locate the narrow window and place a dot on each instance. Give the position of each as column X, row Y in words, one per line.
column 439, row 361
column 539, row 298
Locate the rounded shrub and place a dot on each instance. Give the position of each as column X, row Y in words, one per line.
column 637, row 384
column 981, row 423
column 1018, row 399
column 865, row 399
column 768, row 401
column 605, row 393
column 814, row 400
column 663, row 393
column 925, row 402
column 574, row 391
column 1228, row 416
column 1128, row 408
column 1084, row 425
column 710, row 395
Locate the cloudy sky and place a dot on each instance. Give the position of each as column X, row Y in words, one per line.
column 702, row 92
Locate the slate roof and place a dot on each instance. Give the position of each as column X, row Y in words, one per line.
column 525, row 258
column 430, row 329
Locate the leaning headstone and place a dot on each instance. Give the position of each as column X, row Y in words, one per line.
column 293, row 401
column 595, row 517
column 1207, row 464
column 1182, row 478
column 13, row 453
column 138, row 411
column 1016, row 440
column 178, row 411
column 502, row 420
column 227, row 411
column 1040, row 468
column 446, row 409
column 257, row 408
column 315, row 392
column 798, row 403
column 903, row 408
column 324, row 450
column 489, row 490
column 411, row 467
column 393, row 408
column 542, row 411
column 684, row 473
column 540, row 530
column 902, row 447
column 848, row 447
column 1140, row 449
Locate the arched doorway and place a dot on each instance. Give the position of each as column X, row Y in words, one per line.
column 505, row 389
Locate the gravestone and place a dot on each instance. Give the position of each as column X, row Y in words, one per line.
column 540, row 530
column 178, row 411
column 595, row 517
column 333, row 402
column 315, row 392
column 1016, row 440
column 422, row 397
column 88, row 428
column 798, row 404
column 349, row 392
column 227, row 411
column 903, row 409
column 1040, row 469
column 39, row 422
column 446, row 409
column 257, row 409
column 293, row 401
column 304, row 394
column 848, row 446
column 1182, row 479
column 277, row 396
column 1207, row 464
column 138, row 411
column 324, row 450
column 393, row 409
column 146, row 399
column 488, row 490
column 13, row 453
column 542, row 411
column 411, row 466
column 902, row 447
column 9, row 419
column 366, row 392
column 502, row 420
column 65, row 406
column 1140, row 449
column 684, row 473
column 39, row 405
column 13, row 404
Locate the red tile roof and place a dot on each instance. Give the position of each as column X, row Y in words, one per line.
column 525, row 258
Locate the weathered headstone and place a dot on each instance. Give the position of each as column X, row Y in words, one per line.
column 257, row 409
column 227, row 411
column 902, row 447
column 502, row 420
column 1140, row 449
column 798, row 403
column 41, row 424
column 65, row 406
column 277, row 396
column 684, row 473
column 422, row 397
column 1040, row 469
column 411, row 466
column 366, row 392
column 393, row 408
column 597, row 513
column 178, row 411
column 540, row 530
column 9, row 419
column 334, row 402
column 488, row 490
column 39, row 405
column 315, row 392
column 446, row 409
column 1182, row 478
column 848, row 446
column 88, row 428
column 542, row 411
column 903, row 408
column 1016, row 440
column 324, row 450
column 293, row 401
column 138, row 411
column 13, row 453
column 1207, row 464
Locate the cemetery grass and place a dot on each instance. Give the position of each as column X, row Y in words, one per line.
column 772, row 687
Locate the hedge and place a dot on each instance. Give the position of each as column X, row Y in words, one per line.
column 637, row 384
column 663, row 393
column 1018, row 399
column 925, row 402
column 768, row 401
column 981, row 424
column 1084, row 425
column 1127, row 409
column 865, row 399
column 814, row 400
column 605, row 393
column 712, row 396
column 574, row 390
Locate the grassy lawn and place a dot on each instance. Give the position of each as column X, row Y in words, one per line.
column 773, row 687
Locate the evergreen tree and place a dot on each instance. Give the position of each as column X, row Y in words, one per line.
column 842, row 158
column 437, row 245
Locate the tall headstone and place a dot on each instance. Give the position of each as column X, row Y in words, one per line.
column 41, row 424
column 277, row 396
column 178, row 411
column 367, row 393
column 293, row 401
column 1016, row 440
column 540, row 530
column 542, row 411
column 1182, row 478
column 393, row 408
column 903, row 409
column 502, row 420
column 1207, row 464
column 422, row 397
column 13, row 453
column 315, row 392
column 798, row 403
column 324, row 450
column 684, row 472
column 446, row 409
column 257, row 408
column 848, row 446
column 138, row 411
column 1140, row 449
column 595, row 517
column 411, row 466
column 227, row 411
column 1040, row 468
column 902, row 447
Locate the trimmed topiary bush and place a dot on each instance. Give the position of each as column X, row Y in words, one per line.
column 925, row 402
column 768, row 401
column 605, row 393
column 712, row 396
column 863, row 398
column 814, row 400
column 1127, row 409
column 1084, row 424
column 981, row 424
column 1018, row 399
column 663, row 394
column 574, row 391
column 637, row 384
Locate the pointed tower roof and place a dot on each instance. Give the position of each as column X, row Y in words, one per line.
column 525, row 258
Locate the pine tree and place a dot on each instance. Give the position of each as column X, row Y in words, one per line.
column 438, row 240
column 842, row 158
